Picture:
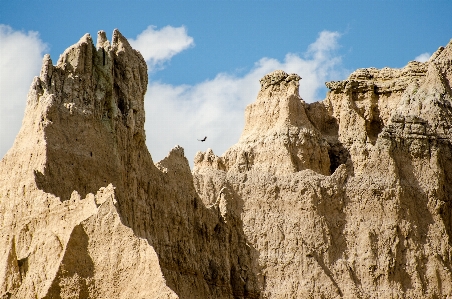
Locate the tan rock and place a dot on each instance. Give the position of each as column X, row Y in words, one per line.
column 380, row 225
column 151, row 237
column 350, row 197
column 278, row 136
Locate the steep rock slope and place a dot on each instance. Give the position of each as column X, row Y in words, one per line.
column 145, row 233
column 278, row 137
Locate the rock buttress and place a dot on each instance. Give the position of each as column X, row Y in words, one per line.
column 83, row 134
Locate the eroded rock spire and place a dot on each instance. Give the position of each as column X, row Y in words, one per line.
column 278, row 136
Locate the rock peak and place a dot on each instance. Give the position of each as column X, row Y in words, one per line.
column 278, row 136
column 88, row 88
column 102, row 41
column 276, row 77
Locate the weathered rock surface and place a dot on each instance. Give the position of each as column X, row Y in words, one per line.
column 146, row 233
column 278, row 136
column 350, row 197
column 368, row 211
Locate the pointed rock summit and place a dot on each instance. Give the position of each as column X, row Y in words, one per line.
column 85, row 213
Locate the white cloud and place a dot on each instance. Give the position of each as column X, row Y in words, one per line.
column 178, row 115
column 174, row 114
column 20, row 60
column 158, row 46
column 423, row 57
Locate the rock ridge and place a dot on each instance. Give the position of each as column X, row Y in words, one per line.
column 152, row 238
column 350, row 197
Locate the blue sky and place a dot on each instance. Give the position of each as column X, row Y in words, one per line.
column 212, row 53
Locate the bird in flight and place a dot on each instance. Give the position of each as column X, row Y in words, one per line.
column 202, row 140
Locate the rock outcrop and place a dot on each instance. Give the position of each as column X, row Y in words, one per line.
column 278, row 136
column 368, row 211
column 85, row 213
column 350, row 197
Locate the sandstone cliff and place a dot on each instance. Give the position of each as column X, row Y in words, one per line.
column 350, row 197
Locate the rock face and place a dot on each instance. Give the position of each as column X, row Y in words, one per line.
column 85, row 213
column 350, row 197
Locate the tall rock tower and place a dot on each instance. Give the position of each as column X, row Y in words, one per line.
column 85, row 213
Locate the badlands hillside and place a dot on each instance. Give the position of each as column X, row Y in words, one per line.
column 350, row 197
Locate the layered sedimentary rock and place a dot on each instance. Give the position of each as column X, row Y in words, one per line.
column 278, row 136
column 345, row 198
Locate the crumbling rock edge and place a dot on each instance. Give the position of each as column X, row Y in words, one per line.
column 349, row 197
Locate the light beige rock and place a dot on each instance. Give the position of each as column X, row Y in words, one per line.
column 380, row 226
column 345, row 198
column 278, row 137
column 85, row 213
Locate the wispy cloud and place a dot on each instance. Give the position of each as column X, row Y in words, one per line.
column 423, row 57
column 158, row 46
column 178, row 115
column 20, row 60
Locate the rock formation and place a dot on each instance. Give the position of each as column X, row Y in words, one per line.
column 350, row 197
column 85, row 213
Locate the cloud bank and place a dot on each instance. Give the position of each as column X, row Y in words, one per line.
column 179, row 115
column 158, row 46
column 20, row 60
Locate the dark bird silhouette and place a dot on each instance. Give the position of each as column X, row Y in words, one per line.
column 202, row 140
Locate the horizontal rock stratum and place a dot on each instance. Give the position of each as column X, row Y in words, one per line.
column 350, row 197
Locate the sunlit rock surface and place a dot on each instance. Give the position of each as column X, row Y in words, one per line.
column 350, row 197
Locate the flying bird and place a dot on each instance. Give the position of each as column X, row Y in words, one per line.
column 202, row 140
